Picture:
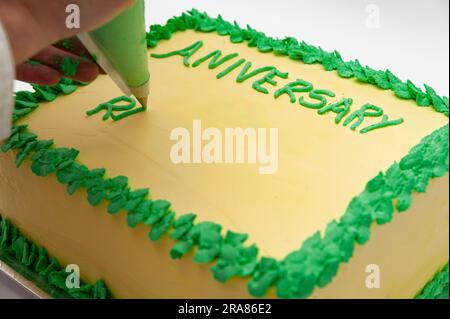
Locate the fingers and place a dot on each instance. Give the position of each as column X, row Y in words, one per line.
column 74, row 45
column 53, row 63
column 68, row 64
column 37, row 74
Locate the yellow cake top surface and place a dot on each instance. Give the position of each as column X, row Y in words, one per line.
column 321, row 165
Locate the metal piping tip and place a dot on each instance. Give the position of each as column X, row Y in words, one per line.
column 143, row 101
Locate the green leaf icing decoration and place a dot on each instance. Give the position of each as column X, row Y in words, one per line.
column 438, row 287
column 161, row 226
column 234, row 259
column 139, row 214
column 67, row 44
column 45, row 93
column 26, row 102
column 265, row 275
column 158, row 209
column 182, row 225
column 68, row 66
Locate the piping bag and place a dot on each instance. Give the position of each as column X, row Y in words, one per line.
column 120, row 48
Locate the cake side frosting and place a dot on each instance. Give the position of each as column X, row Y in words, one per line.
column 34, row 263
column 269, row 270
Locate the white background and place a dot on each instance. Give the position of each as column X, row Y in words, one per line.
column 412, row 38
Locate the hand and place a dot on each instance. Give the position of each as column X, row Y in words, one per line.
column 47, row 67
column 32, row 25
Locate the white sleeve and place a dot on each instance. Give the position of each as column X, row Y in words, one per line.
column 6, row 85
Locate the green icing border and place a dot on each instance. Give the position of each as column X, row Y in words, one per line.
column 318, row 259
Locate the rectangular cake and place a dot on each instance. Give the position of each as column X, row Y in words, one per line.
column 341, row 190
